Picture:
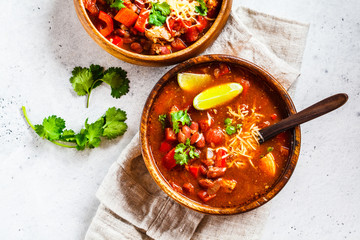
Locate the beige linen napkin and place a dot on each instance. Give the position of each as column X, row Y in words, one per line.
column 133, row 206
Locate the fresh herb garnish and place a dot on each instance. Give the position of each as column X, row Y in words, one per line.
column 118, row 4
column 162, row 120
column 185, row 152
column 238, row 126
column 230, row 130
column 84, row 80
column 228, row 121
column 159, row 13
column 111, row 125
column 270, row 149
column 202, row 10
column 179, row 117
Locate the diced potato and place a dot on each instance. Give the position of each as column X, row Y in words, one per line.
column 228, row 185
column 267, row 164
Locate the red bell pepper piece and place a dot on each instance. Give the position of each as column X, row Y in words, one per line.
column 109, row 24
column 170, row 134
column 273, row 116
column 126, row 16
column 165, row 147
column 142, row 20
column 116, row 40
column 178, row 44
column 220, row 160
column 169, row 160
column 194, row 170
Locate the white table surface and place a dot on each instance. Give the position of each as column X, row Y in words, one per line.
column 48, row 192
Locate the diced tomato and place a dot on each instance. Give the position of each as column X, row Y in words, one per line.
column 109, row 24
column 205, row 124
column 220, row 159
column 194, row 170
column 169, row 160
column 178, row 44
column 224, row 69
column 202, row 23
column 273, row 116
column 170, row 134
column 142, row 20
column 116, row 40
column 204, row 196
column 90, row 5
column 192, row 34
column 126, row 16
column 214, row 136
column 165, row 146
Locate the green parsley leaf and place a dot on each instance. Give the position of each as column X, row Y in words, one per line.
column 230, row 130
column 159, row 13
column 51, row 128
column 179, row 117
column 114, row 123
column 228, row 121
column 270, row 149
column 202, row 10
column 162, row 120
column 116, row 77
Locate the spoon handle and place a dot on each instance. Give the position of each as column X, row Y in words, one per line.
column 318, row 109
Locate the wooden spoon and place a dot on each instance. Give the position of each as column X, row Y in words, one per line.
column 318, row 109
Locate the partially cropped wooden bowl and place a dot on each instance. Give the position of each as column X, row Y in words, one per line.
column 155, row 60
column 268, row 80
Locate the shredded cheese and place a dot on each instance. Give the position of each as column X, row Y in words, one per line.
column 244, row 143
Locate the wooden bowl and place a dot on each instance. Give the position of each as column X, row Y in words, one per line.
column 155, row 60
column 289, row 109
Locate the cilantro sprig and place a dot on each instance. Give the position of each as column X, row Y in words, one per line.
column 179, row 117
column 158, row 13
column 202, row 10
column 110, row 125
column 229, row 128
column 118, row 4
column 162, row 120
column 84, row 80
column 185, row 152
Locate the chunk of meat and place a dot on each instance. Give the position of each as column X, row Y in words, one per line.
column 228, row 185
column 215, row 188
column 206, row 183
column 156, row 34
column 205, row 196
column 216, row 172
column 267, row 164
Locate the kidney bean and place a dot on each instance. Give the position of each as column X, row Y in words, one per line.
column 206, row 183
column 201, row 142
column 136, row 47
column 181, row 137
column 188, row 188
column 204, row 196
column 194, row 138
column 216, row 172
column 176, row 187
column 203, row 170
column 194, row 126
column 187, row 131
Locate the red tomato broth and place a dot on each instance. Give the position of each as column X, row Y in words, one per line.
column 132, row 32
column 251, row 182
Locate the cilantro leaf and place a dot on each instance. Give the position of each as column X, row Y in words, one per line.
column 51, row 128
column 68, row 136
column 185, row 152
column 118, row 81
column 228, row 121
column 81, row 80
column 230, row 130
column 94, row 132
column 179, row 117
column 270, row 149
column 118, row 4
column 162, row 120
column 114, row 123
column 159, row 13
column 97, row 72
column 202, row 10
column 81, row 140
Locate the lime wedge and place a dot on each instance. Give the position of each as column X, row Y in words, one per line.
column 192, row 82
column 218, row 95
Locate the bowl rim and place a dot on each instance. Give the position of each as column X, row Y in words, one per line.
column 197, row 206
column 154, row 60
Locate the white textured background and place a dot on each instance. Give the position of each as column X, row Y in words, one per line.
column 48, row 192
